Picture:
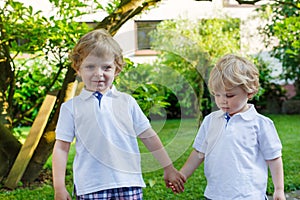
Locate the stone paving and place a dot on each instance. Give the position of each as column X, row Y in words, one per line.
column 294, row 195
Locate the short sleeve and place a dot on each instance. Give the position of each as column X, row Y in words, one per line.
column 140, row 121
column 65, row 129
column 269, row 142
column 200, row 142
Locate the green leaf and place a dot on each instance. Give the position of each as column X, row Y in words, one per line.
column 151, row 182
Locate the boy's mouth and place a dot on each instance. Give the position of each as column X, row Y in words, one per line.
column 98, row 81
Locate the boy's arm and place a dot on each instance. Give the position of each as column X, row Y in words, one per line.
column 154, row 145
column 192, row 163
column 276, row 168
column 59, row 163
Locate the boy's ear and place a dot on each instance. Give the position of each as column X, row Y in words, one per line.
column 78, row 72
column 250, row 95
column 117, row 72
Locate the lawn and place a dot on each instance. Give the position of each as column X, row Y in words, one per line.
column 178, row 136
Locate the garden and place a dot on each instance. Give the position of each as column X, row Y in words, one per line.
column 171, row 91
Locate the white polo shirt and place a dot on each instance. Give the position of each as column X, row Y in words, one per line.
column 236, row 168
column 107, row 153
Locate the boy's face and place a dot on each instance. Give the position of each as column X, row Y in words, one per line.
column 97, row 73
column 232, row 100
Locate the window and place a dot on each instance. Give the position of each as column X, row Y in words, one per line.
column 245, row 3
column 143, row 28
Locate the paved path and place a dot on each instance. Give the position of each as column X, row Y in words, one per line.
column 294, row 195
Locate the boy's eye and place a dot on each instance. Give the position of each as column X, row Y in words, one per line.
column 89, row 67
column 229, row 95
column 107, row 67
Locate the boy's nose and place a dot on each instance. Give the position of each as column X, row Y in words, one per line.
column 99, row 71
column 224, row 99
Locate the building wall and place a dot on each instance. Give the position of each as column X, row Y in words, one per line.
column 251, row 43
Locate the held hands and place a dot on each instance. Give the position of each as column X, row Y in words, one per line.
column 174, row 179
column 173, row 188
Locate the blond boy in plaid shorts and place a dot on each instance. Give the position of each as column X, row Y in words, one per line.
column 106, row 124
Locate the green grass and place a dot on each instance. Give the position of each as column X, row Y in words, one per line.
column 178, row 136
column 288, row 127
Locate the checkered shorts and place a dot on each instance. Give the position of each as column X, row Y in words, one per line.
column 125, row 193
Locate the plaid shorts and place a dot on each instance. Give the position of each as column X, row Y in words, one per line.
column 125, row 193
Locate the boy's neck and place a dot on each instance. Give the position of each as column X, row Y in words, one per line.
column 244, row 109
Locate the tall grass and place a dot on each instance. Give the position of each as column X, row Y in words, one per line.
column 178, row 136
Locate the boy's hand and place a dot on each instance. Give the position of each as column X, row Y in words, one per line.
column 172, row 187
column 62, row 195
column 174, row 179
column 278, row 195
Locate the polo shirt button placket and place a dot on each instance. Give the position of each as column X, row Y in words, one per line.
column 227, row 118
column 98, row 95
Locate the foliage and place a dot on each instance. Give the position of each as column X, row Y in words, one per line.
column 21, row 28
column 271, row 95
column 32, row 84
column 283, row 25
column 44, row 44
column 191, row 38
column 287, row 126
column 191, row 48
column 288, row 33
column 138, row 80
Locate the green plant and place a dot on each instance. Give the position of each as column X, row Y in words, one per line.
column 34, row 79
column 139, row 81
column 191, row 48
column 33, row 55
column 282, row 22
column 271, row 95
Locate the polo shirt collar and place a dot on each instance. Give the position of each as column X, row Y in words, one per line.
column 85, row 94
column 249, row 114
column 220, row 114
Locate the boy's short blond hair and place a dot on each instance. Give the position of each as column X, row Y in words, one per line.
column 232, row 71
column 100, row 43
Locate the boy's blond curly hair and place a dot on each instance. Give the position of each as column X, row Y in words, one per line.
column 232, row 71
column 99, row 43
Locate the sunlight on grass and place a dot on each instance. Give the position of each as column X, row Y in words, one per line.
column 177, row 136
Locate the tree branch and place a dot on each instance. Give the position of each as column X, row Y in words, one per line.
column 123, row 13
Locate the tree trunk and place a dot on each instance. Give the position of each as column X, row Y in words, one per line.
column 9, row 149
column 9, row 145
column 6, row 80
